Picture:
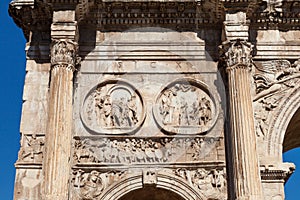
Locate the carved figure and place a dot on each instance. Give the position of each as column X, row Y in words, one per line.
column 140, row 150
column 115, row 113
column 34, row 149
column 89, row 185
column 179, row 107
column 273, row 76
column 211, row 183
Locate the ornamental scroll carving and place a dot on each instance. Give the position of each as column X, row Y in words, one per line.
column 64, row 54
column 212, row 183
column 113, row 107
column 185, row 107
column 273, row 80
column 144, row 150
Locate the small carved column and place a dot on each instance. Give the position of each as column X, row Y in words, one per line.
column 56, row 165
column 242, row 150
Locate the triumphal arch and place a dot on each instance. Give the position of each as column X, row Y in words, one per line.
column 158, row 99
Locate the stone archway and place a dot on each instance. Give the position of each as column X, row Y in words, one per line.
column 134, row 185
column 292, row 135
column 283, row 130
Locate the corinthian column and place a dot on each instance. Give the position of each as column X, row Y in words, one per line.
column 242, row 148
column 56, row 165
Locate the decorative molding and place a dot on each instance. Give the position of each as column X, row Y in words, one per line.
column 277, row 172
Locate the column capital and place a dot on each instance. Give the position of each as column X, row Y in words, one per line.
column 236, row 53
column 64, row 54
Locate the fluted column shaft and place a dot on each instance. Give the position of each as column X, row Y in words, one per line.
column 237, row 55
column 56, row 164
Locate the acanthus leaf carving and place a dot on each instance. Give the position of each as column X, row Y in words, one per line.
column 64, row 54
column 236, row 53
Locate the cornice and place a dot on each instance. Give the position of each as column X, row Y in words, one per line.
column 112, row 15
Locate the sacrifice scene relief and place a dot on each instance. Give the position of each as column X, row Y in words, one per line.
column 113, row 108
column 185, row 108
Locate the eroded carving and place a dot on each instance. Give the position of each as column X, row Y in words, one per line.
column 273, row 80
column 32, row 150
column 89, row 184
column 113, row 107
column 236, row 53
column 64, row 54
column 185, row 107
column 142, row 150
column 212, row 183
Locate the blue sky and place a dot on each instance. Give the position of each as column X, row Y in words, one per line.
column 12, row 45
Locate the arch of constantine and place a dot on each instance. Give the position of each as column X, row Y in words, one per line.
column 158, row 99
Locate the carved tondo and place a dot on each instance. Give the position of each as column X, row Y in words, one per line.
column 185, row 106
column 113, row 107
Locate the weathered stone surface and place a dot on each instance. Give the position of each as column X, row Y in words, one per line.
column 147, row 107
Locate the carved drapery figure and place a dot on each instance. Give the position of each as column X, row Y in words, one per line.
column 212, row 183
column 273, row 79
column 185, row 105
column 113, row 107
column 89, row 184
column 115, row 113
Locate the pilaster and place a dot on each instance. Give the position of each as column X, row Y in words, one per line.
column 242, row 147
column 56, row 165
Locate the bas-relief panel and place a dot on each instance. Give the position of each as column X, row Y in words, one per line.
column 91, row 184
column 164, row 117
column 156, row 102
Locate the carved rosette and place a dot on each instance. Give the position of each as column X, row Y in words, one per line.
column 236, row 53
column 185, row 106
column 113, row 107
column 64, row 54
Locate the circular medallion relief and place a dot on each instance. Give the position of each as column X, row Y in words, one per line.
column 113, row 107
column 185, row 106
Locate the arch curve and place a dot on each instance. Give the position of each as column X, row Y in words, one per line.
column 165, row 181
column 279, row 127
